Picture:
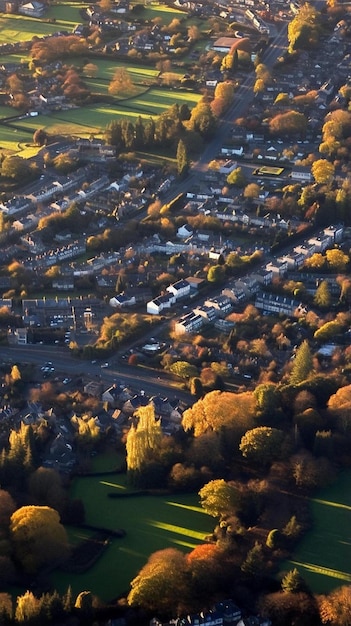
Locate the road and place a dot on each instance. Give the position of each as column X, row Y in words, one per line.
column 242, row 99
column 138, row 378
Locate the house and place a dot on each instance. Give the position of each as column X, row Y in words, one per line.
column 235, row 293
column 21, row 335
column 189, row 323
column 321, row 243
column 302, row 174
column 93, row 388
column 156, row 306
column 336, row 232
column 277, row 267
column 180, row 289
column 60, row 455
column 275, row 304
column 208, row 313
column 184, row 231
column 134, row 403
column 221, row 304
column 263, row 276
column 122, row 301
column 196, row 284
column 32, row 9
column 111, row 395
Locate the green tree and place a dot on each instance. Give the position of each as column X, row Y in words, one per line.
column 143, row 439
column 255, row 563
column 182, row 159
column 218, row 498
column 15, row 167
column 216, row 274
column 262, row 444
column 38, row 537
column 303, row 365
column 183, row 369
column 293, row 582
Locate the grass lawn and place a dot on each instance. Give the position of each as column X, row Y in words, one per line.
column 151, row 523
column 323, row 557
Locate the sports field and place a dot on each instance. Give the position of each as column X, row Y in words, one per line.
column 151, row 523
column 323, row 557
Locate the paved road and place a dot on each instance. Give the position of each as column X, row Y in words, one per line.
column 65, row 364
column 242, row 99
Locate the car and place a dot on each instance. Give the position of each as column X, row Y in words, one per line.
column 66, row 381
column 103, row 365
column 93, row 362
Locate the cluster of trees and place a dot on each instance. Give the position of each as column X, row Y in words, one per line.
column 169, row 127
column 305, row 28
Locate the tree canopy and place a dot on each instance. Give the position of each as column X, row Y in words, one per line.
column 38, row 537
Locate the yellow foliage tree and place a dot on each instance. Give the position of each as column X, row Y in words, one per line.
column 220, row 409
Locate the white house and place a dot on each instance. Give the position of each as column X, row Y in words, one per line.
column 180, row 289
column 184, row 231
column 156, row 306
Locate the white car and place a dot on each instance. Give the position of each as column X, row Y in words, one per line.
column 104, row 365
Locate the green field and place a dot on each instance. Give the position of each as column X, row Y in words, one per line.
column 151, row 523
column 323, row 557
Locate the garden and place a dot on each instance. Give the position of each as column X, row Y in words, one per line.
column 151, row 523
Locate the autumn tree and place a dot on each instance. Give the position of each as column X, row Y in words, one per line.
column 218, row 410
column 236, row 177
column 162, row 584
column 322, row 297
column 288, row 123
column 335, row 608
column 302, row 365
column 182, row 159
column 121, row 82
column 337, row 260
column 262, row 444
column 218, row 498
column 143, row 438
column 38, row 537
column 323, row 171
column 40, row 137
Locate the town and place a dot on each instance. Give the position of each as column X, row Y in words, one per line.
column 175, row 312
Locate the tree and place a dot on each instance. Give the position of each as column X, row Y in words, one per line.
column 15, row 167
column 262, row 444
column 182, row 159
column 337, row 260
column 322, row 297
column 220, row 410
column 236, row 177
column 218, row 498
column 302, row 366
column 143, row 439
column 328, row 331
column 38, row 537
column 121, row 83
column 216, row 274
column 335, row 609
column 288, row 123
column 90, row 70
column 162, row 585
column 252, row 191
column 323, row 171
column 183, row 369
column 27, row 608
column 40, row 137
column 15, row 373
column 84, row 604
column 254, row 564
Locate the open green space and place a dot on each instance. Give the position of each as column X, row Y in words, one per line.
column 323, row 557
column 151, row 523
